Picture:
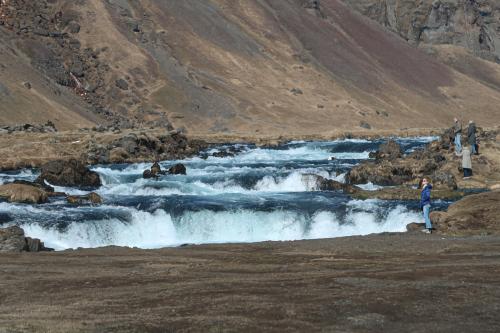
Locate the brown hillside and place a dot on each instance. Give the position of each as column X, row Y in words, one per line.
column 224, row 66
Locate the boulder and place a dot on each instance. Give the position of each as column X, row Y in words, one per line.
column 147, row 174
column 415, row 227
column 12, row 239
column 324, row 184
column 155, row 169
column 91, row 198
column 72, row 173
column 391, row 149
column 42, row 185
column 22, row 193
column 178, row 169
column 476, row 214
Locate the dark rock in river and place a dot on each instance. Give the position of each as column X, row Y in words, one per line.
column 178, row 169
column 222, row 154
column 12, row 239
column 155, row 169
column 91, row 198
column 332, row 185
column 70, row 173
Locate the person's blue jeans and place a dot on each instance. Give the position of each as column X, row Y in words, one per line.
column 458, row 143
column 473, row 147
column 427, row 210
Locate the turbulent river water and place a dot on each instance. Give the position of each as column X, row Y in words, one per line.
column 257, row 195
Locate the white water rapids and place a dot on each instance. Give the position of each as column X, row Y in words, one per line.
column 257, row 195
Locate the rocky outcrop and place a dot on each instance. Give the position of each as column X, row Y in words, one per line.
column 91, row 198
column 477, row 214
column 324, row 184
column 49, row 127
column 21, row 193
column 72, row 173
column 470, row 24
column 391, row 150
column 155, row 171
column 436, row 161
column 139, row 147
column 12, row 239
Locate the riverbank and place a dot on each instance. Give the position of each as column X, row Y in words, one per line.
column 31, row 150
column 389, row 282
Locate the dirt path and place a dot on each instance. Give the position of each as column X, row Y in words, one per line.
column 390, row 283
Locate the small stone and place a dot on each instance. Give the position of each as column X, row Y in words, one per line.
column 122, row 84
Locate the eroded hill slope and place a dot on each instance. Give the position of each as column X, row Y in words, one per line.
column 235, row 67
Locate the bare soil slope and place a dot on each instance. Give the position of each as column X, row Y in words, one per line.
column 236, row 67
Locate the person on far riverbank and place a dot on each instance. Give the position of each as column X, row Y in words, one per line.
column 425, row 204
column 457, row 129
column 471, row 137
column 466, row 162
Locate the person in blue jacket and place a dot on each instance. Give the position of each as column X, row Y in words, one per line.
column 425, row 203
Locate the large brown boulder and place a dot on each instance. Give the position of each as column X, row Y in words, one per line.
column 12, row 239
column 22, row 193
column 477, row 214
column 72, row 173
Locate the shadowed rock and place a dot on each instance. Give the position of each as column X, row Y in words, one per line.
column 12, row 239
column 178, row 169
column 72, row 173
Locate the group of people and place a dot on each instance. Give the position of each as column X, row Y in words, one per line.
column 465, row 152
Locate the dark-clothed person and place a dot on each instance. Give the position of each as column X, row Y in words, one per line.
column 471, row 137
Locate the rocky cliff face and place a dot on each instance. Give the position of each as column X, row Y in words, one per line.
column 238, row 68
column 472, row 24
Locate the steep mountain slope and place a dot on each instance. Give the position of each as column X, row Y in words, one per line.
column 471, row 24
column 235, row 67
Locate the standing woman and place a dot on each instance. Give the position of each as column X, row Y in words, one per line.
column 425, row 203
column 466, row 162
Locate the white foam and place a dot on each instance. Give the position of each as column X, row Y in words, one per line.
column 159, row 229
